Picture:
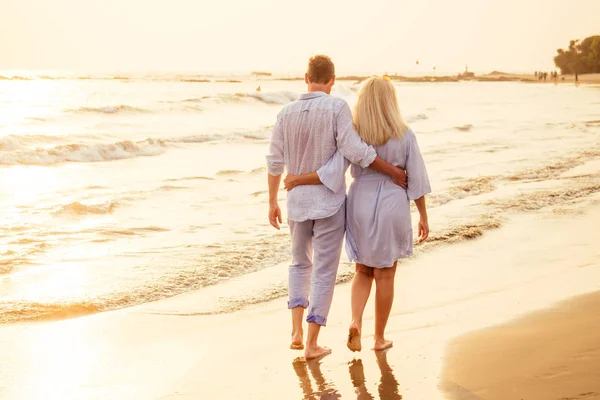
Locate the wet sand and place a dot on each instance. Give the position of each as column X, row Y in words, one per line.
column 169, row 350
column 551, row 354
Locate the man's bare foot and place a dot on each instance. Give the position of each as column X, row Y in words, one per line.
column 354, row 338
column 316, row 352
column 297, row 341
column 382, row 344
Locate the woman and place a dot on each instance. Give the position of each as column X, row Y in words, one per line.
column 378, row 223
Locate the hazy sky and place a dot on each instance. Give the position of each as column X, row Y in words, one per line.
column 279, row 35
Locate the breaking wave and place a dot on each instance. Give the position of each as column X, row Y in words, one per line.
column 16, row 150
column 470, row 187
column 260, row 135
column 414, row 118
column 77, row 208
column 15, row 142
column 220, row 263
column 230, row 172
column 190, row 178
column 167, row 188
column 29, row 248
column 129, row 231
column 464, row 128
column 545, row 198
column 14, row 78
column 281, row 97
column 195, row 80
column 83, row 153
column 26, row 311
column 109, row 109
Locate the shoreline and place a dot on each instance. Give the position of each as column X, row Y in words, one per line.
column 237, row 78
column 469, row 208
column 168, row 350
column 492, row 77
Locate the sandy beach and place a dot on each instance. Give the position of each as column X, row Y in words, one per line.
column 137, row 257
column 169, row 350
column 551, row 354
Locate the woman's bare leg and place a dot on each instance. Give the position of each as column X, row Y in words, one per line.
column 384, row 298
column 361, row 289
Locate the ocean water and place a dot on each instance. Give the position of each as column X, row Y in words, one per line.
column 122, row 190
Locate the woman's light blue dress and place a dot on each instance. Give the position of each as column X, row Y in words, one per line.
column 378, row 223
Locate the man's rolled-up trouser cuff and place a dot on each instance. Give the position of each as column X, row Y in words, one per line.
column 297, row 303
column 316, row 319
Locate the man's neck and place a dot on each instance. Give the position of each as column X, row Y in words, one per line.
column 319, row 88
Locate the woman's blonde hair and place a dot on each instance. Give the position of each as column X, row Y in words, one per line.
column 377, row 116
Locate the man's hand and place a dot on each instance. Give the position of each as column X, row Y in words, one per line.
column 290, row 182
column 423, row 230
column 274, row 211
column 397, row 174
column 399, row 177
column 275, row 216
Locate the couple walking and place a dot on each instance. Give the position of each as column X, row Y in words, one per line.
column 316, row 138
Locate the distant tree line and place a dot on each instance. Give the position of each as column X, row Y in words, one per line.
column 582, row 57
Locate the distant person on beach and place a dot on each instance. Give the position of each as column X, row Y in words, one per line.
column 576, row 79
column 308, row 132
column 378, row 228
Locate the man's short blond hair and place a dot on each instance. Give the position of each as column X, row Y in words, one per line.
column 320, row 69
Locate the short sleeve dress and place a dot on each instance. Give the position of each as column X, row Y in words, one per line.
column 378, row 222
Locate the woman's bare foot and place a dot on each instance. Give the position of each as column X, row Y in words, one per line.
column 297, row 341
column 316, row 352
column 354, row 338
column 382, row 344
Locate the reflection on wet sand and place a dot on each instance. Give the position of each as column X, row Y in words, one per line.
column 325, row 389
column 388, row 385
column 357, row 375
column 387, row 388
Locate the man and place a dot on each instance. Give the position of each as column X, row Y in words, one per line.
column 307, row 133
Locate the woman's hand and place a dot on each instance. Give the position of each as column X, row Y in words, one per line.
column 423, row 230
column 290, row 182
